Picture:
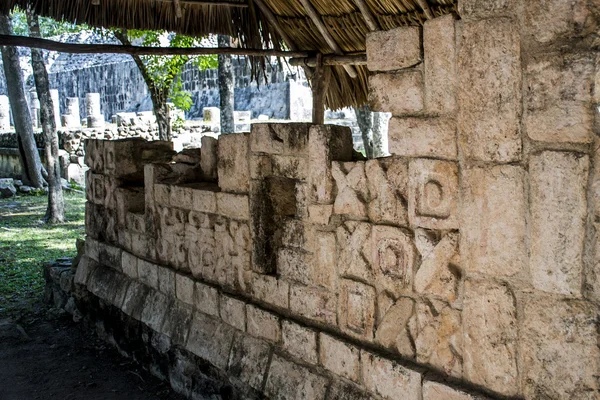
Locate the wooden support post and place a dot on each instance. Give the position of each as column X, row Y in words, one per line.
column 316, row 19
column 423, row 4
column 319, row 84
column 367, row 15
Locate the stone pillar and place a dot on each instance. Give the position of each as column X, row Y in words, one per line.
column 72, row 118
column 55, row 106
column 34, row 109
column 4, row 114
column 95, row 119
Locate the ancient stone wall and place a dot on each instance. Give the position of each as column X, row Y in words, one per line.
column 463, row 266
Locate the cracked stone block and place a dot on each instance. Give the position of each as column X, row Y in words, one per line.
column 263, row 324
column 437, row 276
column 558, row 348
column 109, row 255
column 420, row 137
column 134, row 300
column 356, row 312
column 492, row 221
column 490, row 336
column 206, row 299
column 209, row 153
column 393, row 331
column 387, row 378
column 313, row 303
column 558, row 182
column 148, row 273
column 249, row 360
column 86, row 266
column 399, row 93
column 387, row 180
column 433, row 194
column 233, row 167
column 558, row 99
column 287, row 380
column 184, row 287
column 182, row 197
column 155, row 309
column 233, row 312
column 489, row 91
column 439, row 44
column 271, row 290
column 393, row 257
column 210, row 340
column 290, row 167
column 338, row 357
column 394, row 49
column 299, row 341
column 281, row 139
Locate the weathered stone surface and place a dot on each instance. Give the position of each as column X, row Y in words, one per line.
column 400, row 93
column 393, row 329
column 233, row 312
column 233, row 206
column 437, row 391
column 184, row 288
column 204, row 201
column 135, row 299
column 344, row 390
column 233, row 167
column 287, row 381
column 285, row 139
column 389, row 379
column 129, row 264
column 354, row 251
column 271, row 290
column 206, row 299
column 419, row 137
column 493, row 220
column 436, row 275
column 85, row 268
column 394, row 49
column 249, row 360
column 339, row 357
column 558, row 182
column 299, row 341
column 263, row 324
column 166, row 281
column 155, row 308
column 490, row 336
column 324, row 270
column 356, row 309
column 393, row 258
column 209, row 153
column 313, row 303
column 210, row 340
column 177, row 323
column 387, row 181
column 558, row 102
column 558, row 349
column 148, row 273
column 479, row 9
column 439, row 44
column 182, row 197
column 352, row 189
column 290, row 167
column 489, row 91
column 291, row 265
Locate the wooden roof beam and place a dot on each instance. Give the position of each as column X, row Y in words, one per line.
column 273, row 21
column 330, row 59
column 423, row 4
column 208, row 3
column 316, row 19
column 367, row 15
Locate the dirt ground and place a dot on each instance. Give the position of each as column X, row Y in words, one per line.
column 47, row 357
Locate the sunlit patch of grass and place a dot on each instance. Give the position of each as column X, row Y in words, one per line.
column 26, row 242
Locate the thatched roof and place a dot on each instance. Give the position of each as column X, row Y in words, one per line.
column 250, row 26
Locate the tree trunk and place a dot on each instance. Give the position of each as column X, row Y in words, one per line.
column 226, row 87
column 379, row 121
column 30, row 157
column 365, row 123
column 159, row 97
column 55, row 212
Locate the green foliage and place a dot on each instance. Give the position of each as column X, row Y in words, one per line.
column 26, row 242
column 48, row 26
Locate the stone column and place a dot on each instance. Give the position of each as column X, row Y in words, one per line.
column 4, row 114
column 72, row 118
column 55, row 106
column 34, row 109
column 95, row 119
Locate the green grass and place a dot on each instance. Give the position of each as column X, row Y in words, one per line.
column 26, row 243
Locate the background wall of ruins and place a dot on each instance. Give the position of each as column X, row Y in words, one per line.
column 463, row 266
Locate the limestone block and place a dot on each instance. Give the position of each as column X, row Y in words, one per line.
column 490, row 336
column 177, row 323
column 136, row 222
column 148, row 273
column 489, row 91
column 326, row 143
column 387, row 378
column 206, row 299
column 233, row 166
column 98, row 188
column 393, row 331
column 209, row 152
column 400, row 93
column 550, row 21
column 344, row 390
column 156, row 307
column 284, row 139
column 290, row 167
column 172, row 221
column 166, row 281
column 135, row 299
column 338, row 357
column 233, row 312
column 201, row 253
column 313, row 303
column 356, row 309
column 436, row 275
column 352, row 195
column 558, row 211
column 558, row 348
column 162, row 194
column 353, row 241
column 479, row 9
column 438, row 391
column 249, row 360
column 204, row 201
column 210, row 340
column 287, row 380
column 558, row 99
column 438, row 340
column 143, row 246
column 263, row 324
column 85, row 268
column 94, row 155
column 323, row 265
column 299, row 341
column 320, row 213
column 439, row 44
column 182, row 197
column 184, row 287
column 92, row 248
column 393, row 259
column 233, row 206
column 260, row 166
column 492, row 220
column 433, row 194
column 394, row 49
column 109, row 255
column 387, row 180
column 419, row 137
column 292, row 265
column 271, row 290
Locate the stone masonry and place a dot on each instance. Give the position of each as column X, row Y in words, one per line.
column 464, row 266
